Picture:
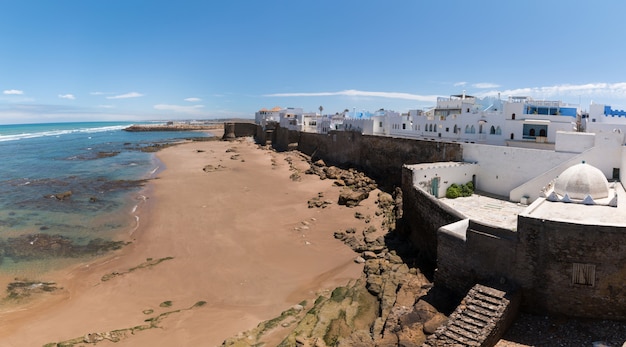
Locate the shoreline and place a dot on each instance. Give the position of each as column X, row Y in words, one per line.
column 249, row 270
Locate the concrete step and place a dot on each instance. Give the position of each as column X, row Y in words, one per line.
column 483, row 315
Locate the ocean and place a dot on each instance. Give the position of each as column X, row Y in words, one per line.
column 67, row 190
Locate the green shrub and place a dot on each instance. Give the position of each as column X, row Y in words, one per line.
column 455, row 190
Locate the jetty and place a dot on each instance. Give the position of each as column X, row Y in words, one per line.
column 172, row 126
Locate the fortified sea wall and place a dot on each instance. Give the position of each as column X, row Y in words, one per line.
column 380, row 157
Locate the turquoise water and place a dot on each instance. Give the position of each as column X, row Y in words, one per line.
column 99, row 163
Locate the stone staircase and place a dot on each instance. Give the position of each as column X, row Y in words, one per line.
column 480, row 320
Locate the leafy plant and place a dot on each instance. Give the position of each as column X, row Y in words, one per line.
column 463, row 190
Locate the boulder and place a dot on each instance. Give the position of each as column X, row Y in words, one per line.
column 351, row 198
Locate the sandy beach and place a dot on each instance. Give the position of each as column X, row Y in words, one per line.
column 241, row 240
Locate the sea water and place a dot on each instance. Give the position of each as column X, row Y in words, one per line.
column 67, row 186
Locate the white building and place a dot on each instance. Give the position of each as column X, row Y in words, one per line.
column 265, row 116
column 603, row 118
column 537, row 121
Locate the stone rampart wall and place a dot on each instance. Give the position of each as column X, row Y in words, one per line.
column 486, row 255
column 547, row 252
column 423, row 215
column 380, row 157
column 245, row 129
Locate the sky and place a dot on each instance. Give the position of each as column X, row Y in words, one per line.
column 95, row 60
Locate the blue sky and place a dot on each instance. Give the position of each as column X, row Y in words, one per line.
column 71, row 60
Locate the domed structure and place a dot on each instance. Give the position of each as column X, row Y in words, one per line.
column 580, row 181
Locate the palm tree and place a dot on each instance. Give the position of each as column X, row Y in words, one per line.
column 321, row 109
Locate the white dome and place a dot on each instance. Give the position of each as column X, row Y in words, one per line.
column 580, row 181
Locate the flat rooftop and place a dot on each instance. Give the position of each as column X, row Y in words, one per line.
column 489, row 210
column 503, row 213
column 582, row 214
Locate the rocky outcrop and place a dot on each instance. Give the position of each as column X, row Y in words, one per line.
column 60, row 196
column 351, row 178
column 351, row 198
column 41, row 246
column 387, row 306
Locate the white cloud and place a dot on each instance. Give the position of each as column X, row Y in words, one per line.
column 360, row 93
column 598, row 90
column 459, row 84
column 195, row 109
column 67, row 96
column 106, row 106
column 193, row 99
column 485, row 85
column 126, row 96
column 13, row 92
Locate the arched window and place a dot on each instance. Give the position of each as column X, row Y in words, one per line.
column 492, row 130
column 467, row 129
column 531, row 132
column 512, row 136
column 456, row 129
column 542, row 132
column 498, row 131
column 480, row 128
column 473, row 130
column 513, row 116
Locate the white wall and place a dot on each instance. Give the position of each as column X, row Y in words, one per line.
column 447, row 172
column 574, row 142
column 500, row 168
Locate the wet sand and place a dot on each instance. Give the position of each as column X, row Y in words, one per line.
column 240, row 238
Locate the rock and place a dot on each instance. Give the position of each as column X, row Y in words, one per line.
column 61, row 196
column 318, row 203
column 320, row 163
column 374, row 284
column 339, row 235
column 298, row 307
column 211, row 168
column 370, row 229
column 359, row 260
column 369, row 255
column 435, row 322
column 394, row 258
column 351, row 198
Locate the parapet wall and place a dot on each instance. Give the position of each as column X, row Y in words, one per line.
column 470, row 252
column 380, row 157
column 572, row 269
column 423, row 214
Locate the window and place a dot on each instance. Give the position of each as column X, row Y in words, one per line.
column 492, row 130
column 584, row 274
column 513, row 116
column 403, row 126
column 380, row 124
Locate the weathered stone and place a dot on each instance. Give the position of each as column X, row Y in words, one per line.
column 369, row 255
column 351, row 198
column 339, row 235
column 431, row 325
column 374, row 284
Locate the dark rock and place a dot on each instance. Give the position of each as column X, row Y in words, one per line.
column 60, row 196
column 351, row 198
column 339, row 235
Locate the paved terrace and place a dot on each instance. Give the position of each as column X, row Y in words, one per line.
column 481, row 208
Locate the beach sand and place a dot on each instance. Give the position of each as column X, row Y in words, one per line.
column 241, row 238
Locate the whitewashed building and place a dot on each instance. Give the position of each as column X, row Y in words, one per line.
column 603, row 118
